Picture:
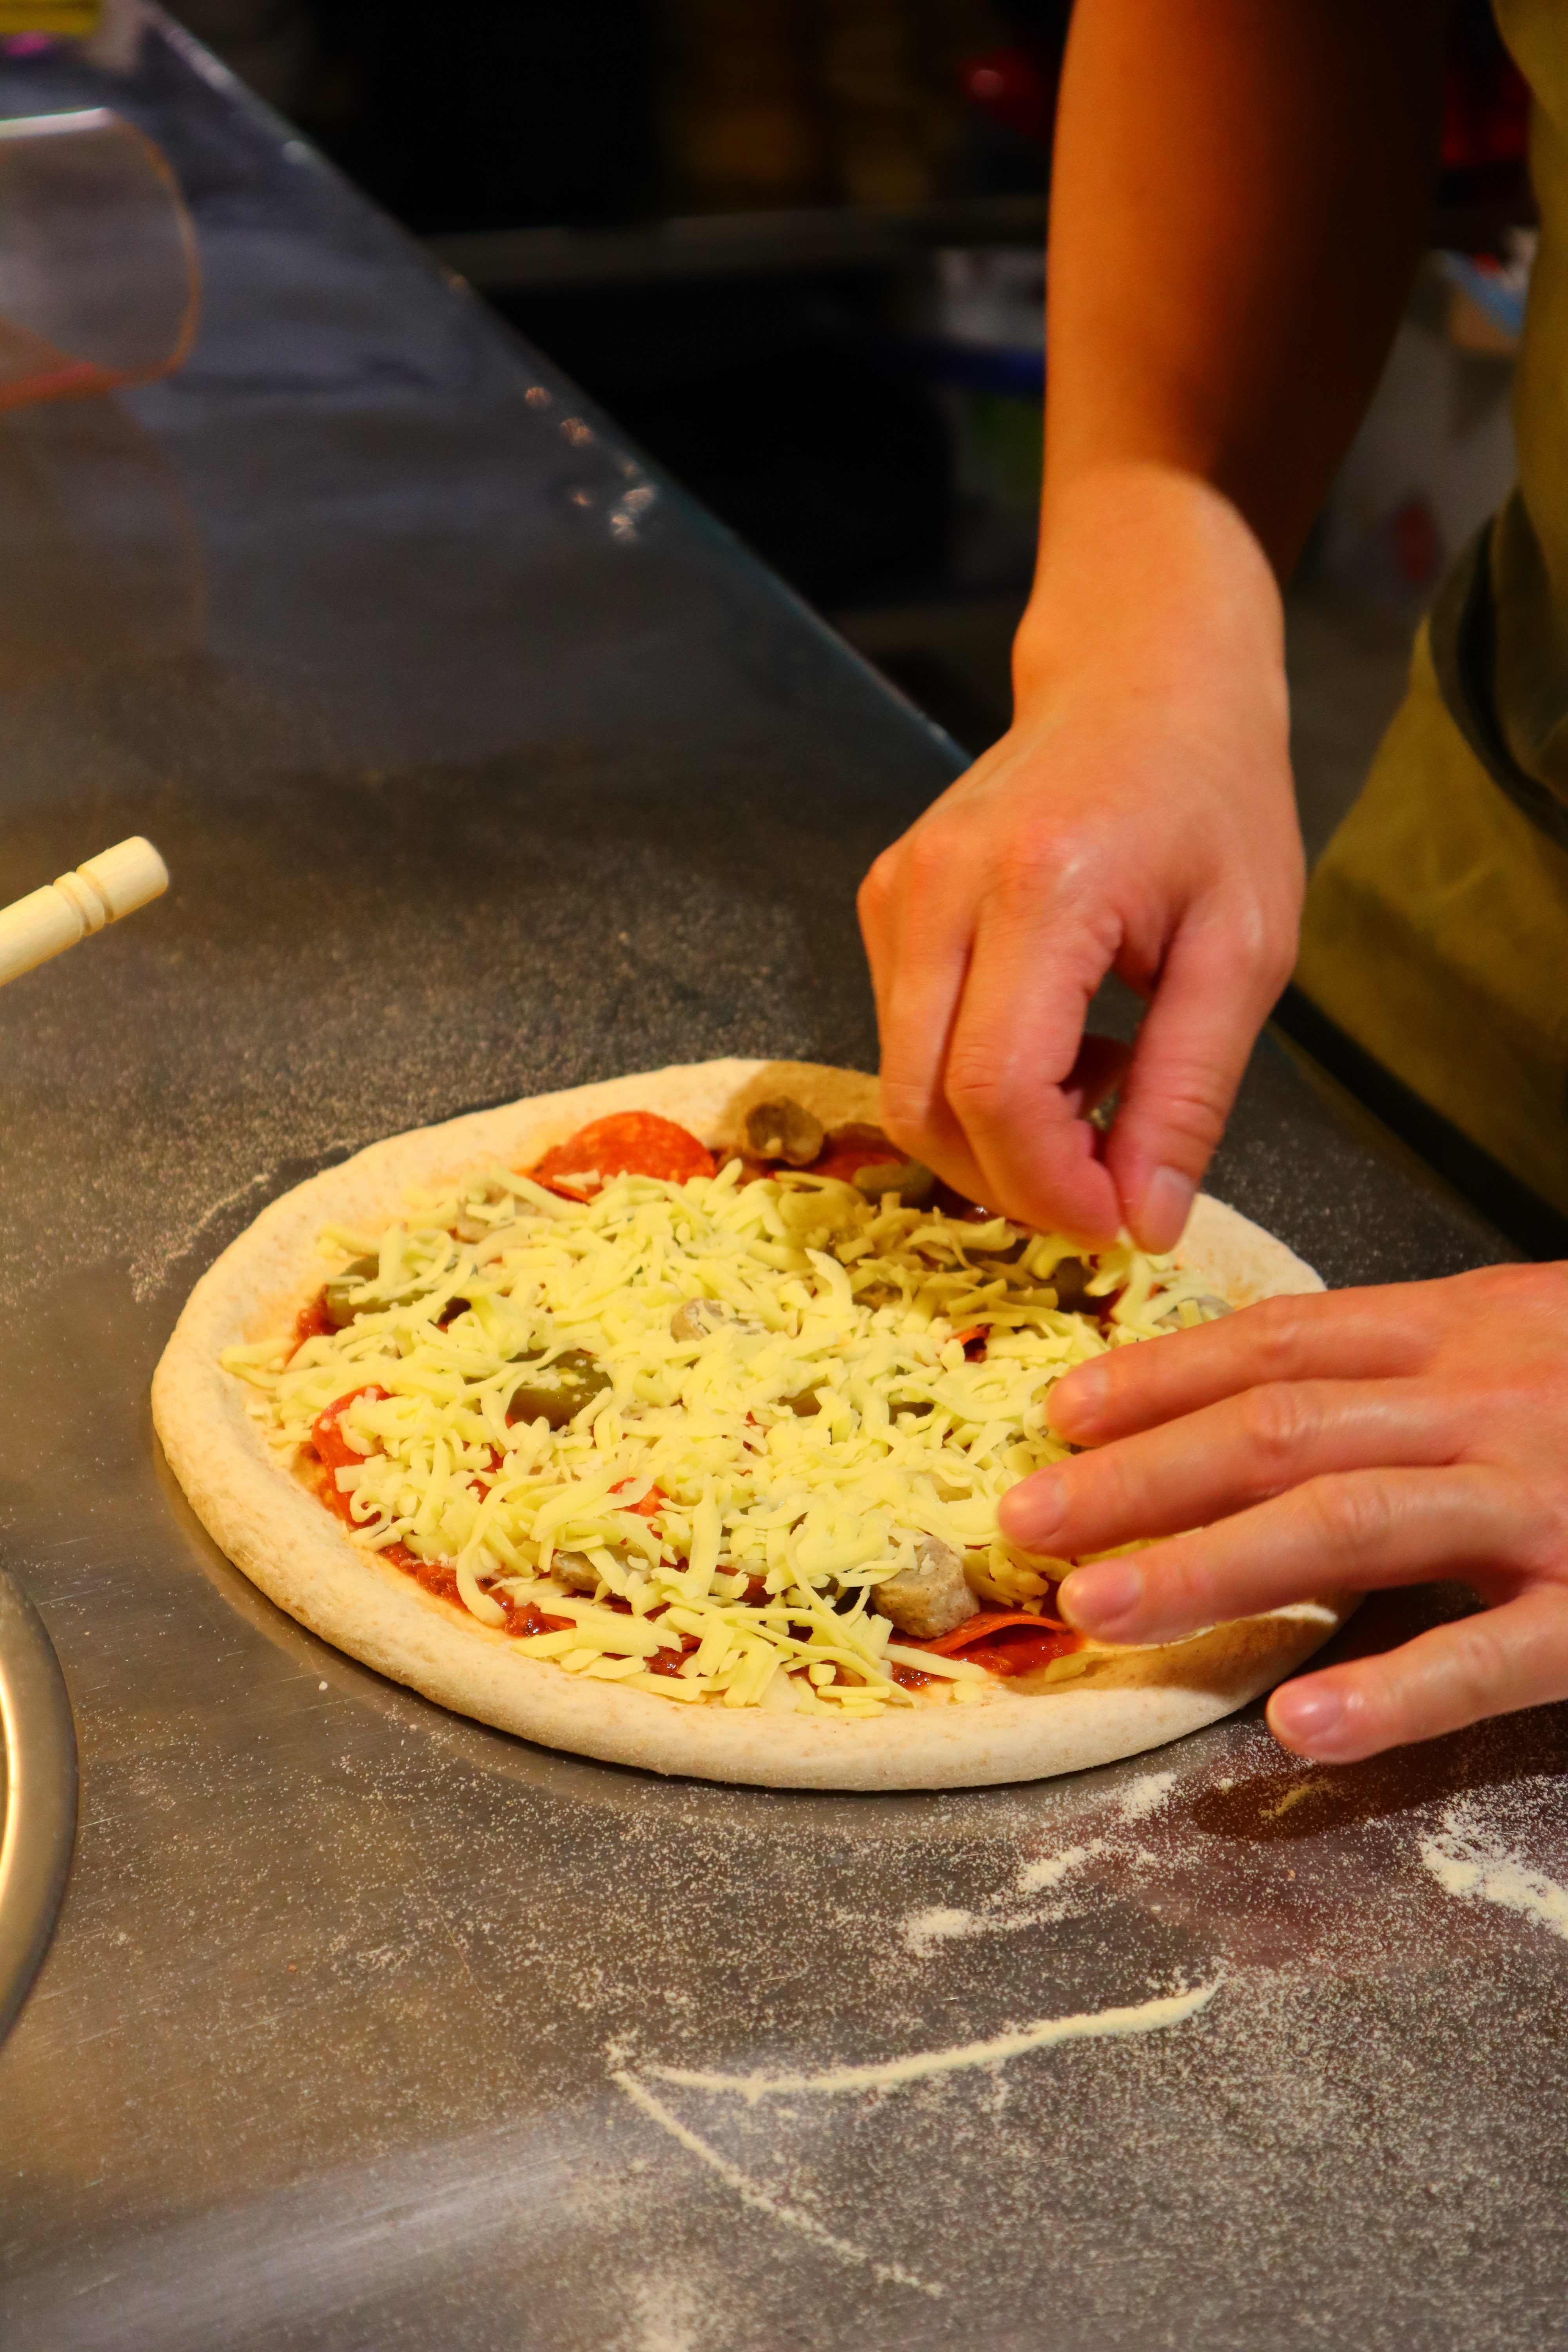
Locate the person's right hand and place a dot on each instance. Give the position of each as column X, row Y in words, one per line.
column 1137, row 817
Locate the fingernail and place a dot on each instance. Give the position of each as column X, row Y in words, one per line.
column 1086, row 1386
column 1096, row 1600
column 1310, row 1716
column 1167, row 1204
column 1030, row 1513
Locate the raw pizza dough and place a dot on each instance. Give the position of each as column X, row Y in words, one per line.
column 1089, row 1708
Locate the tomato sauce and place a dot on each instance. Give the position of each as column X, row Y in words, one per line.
column 1018, row 1649
column 314, row 1322
column 669, row 1662
column 652, row 1502
column 332, row 1449
column 440, row 1578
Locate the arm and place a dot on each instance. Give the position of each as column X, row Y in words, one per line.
column 1239, row 190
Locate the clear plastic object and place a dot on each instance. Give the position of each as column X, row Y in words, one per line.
column 100, row 283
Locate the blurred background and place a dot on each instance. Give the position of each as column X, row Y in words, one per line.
column 796, row 247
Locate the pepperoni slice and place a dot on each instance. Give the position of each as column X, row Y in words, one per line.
column 1005, row 1641
column 984, row 1622
column 627, row 1143
column 850, row 1149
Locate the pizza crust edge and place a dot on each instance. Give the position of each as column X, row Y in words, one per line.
column 279, row 1534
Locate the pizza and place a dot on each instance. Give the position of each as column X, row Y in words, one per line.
column 665, row 1420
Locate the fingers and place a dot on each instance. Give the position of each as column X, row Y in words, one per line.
column 1100, row 1066
column 982, row 983
column 1505, row 1658
column 1352, row 1531
column 1352, row 1335
column 1213, row 998
column 1016, row 1076
column 1210, row 1463
column 917, row 928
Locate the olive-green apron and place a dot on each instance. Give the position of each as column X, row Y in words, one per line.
column 1435, row 933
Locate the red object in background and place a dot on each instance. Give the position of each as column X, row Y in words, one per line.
column 1015, row 86
column 1485, row 114
column 1416, row 541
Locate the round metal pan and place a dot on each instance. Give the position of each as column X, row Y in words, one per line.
column 40, row 1795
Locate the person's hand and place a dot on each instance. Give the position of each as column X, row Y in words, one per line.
column 1323, row 1443
column 1139, row 817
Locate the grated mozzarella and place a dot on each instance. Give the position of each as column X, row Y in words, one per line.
column 857, row 1302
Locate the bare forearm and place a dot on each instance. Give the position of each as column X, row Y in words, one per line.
column 1240, row 190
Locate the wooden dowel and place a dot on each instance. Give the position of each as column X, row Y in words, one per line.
column 100, row 892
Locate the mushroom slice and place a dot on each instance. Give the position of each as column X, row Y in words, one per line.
column 785, row 1130
column 930, row 1598
column 470, row 1226
column 694, row 1319
column 1071, row 1279
column 577, row 1574
column 913, row 1182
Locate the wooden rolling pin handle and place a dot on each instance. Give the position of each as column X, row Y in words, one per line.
column 62, row 912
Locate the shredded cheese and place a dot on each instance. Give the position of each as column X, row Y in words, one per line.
column 797, row 1433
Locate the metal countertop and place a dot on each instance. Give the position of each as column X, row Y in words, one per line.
column 485, row 762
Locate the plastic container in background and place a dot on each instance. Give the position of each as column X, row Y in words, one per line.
column 100, row 283
column 1433, row 458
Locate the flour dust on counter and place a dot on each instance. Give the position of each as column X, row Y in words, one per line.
column 819, row 2111
column 1477, row 1864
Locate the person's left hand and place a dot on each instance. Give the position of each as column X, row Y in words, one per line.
column 1331, row 1443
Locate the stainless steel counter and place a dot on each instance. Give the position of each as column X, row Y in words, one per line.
column 484, row 763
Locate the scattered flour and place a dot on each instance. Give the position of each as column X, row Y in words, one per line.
column 1145, row 1796
column 1466, row 1863
column 888, row 2073
column 666, row 2317
column 922, row 1931
column 1052, row 1868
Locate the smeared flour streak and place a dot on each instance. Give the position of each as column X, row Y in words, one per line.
column 1466, row 1864
column 1298, row 1792
column 752, row 2193
column 888, row 2073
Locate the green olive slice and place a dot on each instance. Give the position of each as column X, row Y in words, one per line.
column 558, row 1391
